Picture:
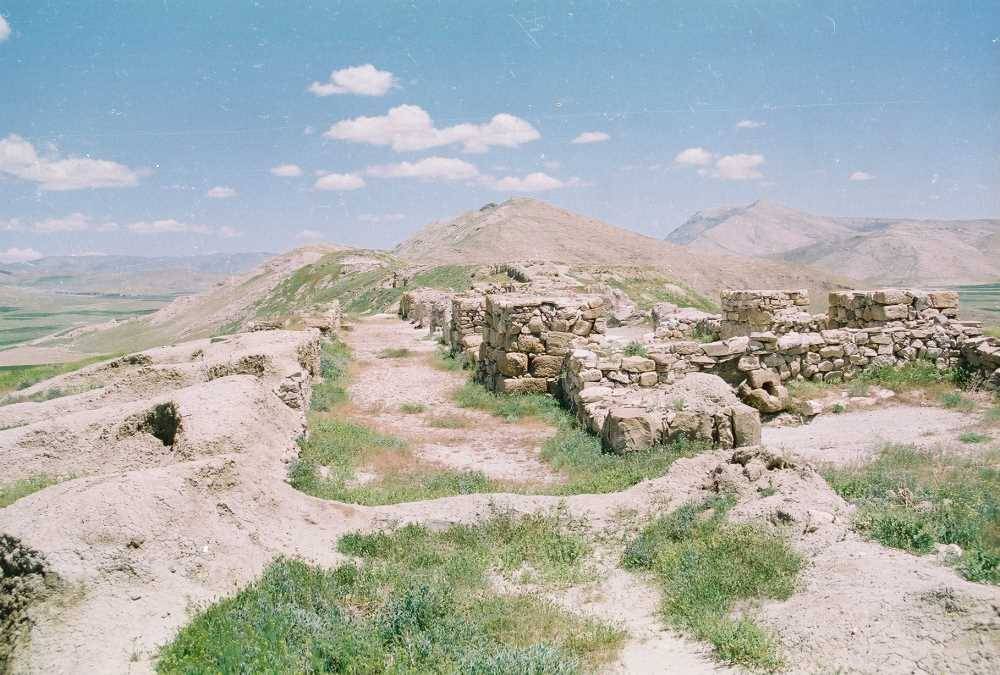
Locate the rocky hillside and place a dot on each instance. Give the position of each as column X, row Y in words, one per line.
column 873, row 250
column 528, row 229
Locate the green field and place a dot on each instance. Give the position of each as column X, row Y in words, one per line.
column 981, row 303
column 28, row 315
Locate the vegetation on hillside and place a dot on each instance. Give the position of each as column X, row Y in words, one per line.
column 408, row 601
column 363, row 281
column 14, row 378
column 11, row 492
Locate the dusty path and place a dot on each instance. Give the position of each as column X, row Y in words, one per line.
column 380, row 386
column 854, row 436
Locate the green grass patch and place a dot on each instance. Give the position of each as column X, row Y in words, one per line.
column 448, row 422
column 11, row 492
column 345, row 449
column 443, row 359
column 973, row 437
column 913, row 499
column 955, row 401
column 334, row 360
column 706, row 566
column 992, row 331
column 395, row 353
column 14, row 378
column 636, row 349
column 507, row 406
column 412, row 408
column 918, row 373
column 410, row 601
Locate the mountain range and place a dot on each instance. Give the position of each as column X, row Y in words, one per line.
column 874, row 251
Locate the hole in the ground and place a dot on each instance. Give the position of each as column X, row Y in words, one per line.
column 163, row 422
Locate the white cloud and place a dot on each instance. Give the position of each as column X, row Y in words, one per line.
column 4, row 33
column 409, row 127
column 227, row 232
column 384, row 218
column 19, row 255
column 168, row 226
column 286, row 170
column 11, row 225
column 74, row 222
column 533, row 182
column 694, row 157
column 339, row 181
column 750, row 124
column 221, row 192
column 861, row 175
column 739, row 167
column 310, row 235
column 441, row 168
column 366, row 80
column 19, row 158
column 591, row 137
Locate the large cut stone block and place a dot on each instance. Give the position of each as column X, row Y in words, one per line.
column 628, row 430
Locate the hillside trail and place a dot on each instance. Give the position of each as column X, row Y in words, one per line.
column 443, row 433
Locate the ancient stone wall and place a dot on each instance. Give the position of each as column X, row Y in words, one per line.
column 526, row 337
column 624, row 401
column 747, row 311
column 465, row 333
column 684, row 323
column 982, row 356
column 862, row 309
column 426, row 308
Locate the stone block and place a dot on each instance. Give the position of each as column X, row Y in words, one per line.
column 546, row 366
column 637, row 364
column 512, row 364
column 522, row 385
column 628, row 430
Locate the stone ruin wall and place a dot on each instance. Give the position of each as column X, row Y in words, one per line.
column 757, row 363
column 749, row 311
column 557, row 344
column 465, row 332
column 526, row 338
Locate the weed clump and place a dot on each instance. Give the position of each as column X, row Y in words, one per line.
column 333, row 363
column 636, row 349
column 395, row 353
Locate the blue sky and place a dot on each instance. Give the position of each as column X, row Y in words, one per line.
column 157, row 128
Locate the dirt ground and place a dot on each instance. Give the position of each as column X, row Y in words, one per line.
column 379, row 386
column 138, row 548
